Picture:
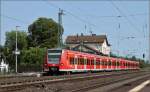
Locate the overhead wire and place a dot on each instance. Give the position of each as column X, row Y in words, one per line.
column 122, row 14
column 125, row 16
column 12, row 18
column 73, row 15
column 112, row 16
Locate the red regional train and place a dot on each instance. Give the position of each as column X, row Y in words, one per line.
column 62, row 60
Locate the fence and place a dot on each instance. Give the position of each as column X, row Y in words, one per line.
column 29, row 68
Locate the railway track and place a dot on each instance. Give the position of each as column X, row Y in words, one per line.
column 14, row 85
column 18, row 79
column 108, row 83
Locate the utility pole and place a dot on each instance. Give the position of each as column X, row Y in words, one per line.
column 16, row 51
column 0, row 44
column 60, row 29
column 118, row 39
column 149, row 36
column 118, row 32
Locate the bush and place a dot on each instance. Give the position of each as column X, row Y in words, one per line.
column 33, row 56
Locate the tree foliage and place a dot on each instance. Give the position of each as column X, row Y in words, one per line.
column 10, row 46
column 32, row 56
column 11, row 40
column 43, row 33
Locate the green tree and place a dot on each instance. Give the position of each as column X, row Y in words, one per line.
column 43, row 33
column 10, row 46
column 1, row 52
column 33, row 56
column 11, row 40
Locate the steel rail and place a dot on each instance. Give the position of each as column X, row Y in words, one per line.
column 100, row 85
column 20, row 84
column 35, row 80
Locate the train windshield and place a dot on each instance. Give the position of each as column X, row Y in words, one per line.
column 54, row 56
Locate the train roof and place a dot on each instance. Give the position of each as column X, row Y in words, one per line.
column 77, row 52
column 84, row 53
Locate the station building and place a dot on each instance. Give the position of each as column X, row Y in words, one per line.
column 89, row 43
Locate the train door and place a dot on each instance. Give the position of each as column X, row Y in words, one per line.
column 111, row 64
column 125, row 64
column 81, row 63
column 107, row 64
column 76, row 61
column 116, row 66
column 85, row 63
column 118, row 63
column 91, row 64
column 97, row 64
column 94, row 63
column 88, row 64
column 100, row 63
column 103, row 64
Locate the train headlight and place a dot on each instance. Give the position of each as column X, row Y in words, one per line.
column 61, row 64
column 62, row 51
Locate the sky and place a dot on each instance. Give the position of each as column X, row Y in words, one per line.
column 127, row 34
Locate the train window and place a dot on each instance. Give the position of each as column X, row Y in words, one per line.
column 78, row 62
column 88, row 62
column 122, row 64
column 81, row 61
column 126, row 64
column 54, row 51
column 97, row 62
column 106, row 63
column 118, row 63
column 85, row 61
column 75, row 61
column 92, row 62
column 72, row 61
column 114, row 63
column 102, row 62
column 109, row 63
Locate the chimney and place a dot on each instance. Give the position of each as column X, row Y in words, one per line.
column 77, row 35
column 93, row 34
column 81, row 34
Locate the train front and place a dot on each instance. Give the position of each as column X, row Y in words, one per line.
column 52, row 60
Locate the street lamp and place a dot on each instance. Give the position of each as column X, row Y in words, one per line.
column 16, row 51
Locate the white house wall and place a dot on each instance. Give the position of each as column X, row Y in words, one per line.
column 105, row 48
column 99, row 47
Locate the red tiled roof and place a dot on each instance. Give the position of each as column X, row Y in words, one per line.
column 86, row 38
